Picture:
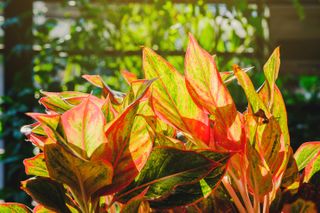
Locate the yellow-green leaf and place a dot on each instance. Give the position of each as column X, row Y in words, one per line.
column 14, row 208
column 306, row 153
column 36, row 166
column 271, row 70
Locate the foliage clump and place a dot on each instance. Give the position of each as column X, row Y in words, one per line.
column 173, row 142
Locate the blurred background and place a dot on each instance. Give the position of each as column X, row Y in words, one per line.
column 49, row 44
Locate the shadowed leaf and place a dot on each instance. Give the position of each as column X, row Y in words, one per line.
column 47, row 192
column 258, row 107
column 166, row 171
column 77, row 173
column 291, row 174
column 192, row 193
column 134, row 204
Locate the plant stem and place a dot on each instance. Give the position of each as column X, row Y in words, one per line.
column 83, row 194
column 256, row 205
column 243, row 192
column 233, row 195
column 266, row 204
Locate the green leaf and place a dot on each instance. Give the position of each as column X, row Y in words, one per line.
column 306, row 153
column 165, row 171
column 170, row 98
column 62, row 101
column 84, row 126
column 271, row 71
column 82, row 176
column 36, row 166
column 133, row 205
column 47, row 192
column 209, row 92
column 192, row 193
column 14, row 208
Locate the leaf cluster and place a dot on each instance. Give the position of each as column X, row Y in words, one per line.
column 172, row 143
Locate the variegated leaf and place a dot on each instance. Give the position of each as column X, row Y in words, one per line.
column 207, row 89
column 171, row 100
column 84, row 126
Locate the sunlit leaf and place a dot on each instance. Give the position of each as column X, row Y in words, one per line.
column 14, row 208
column 116, row 97
column 312, row 168
column 170, row 98
column 209, row 92
column 62, row 101
column 128, row 76
column 36, row 166
column 258, row 174
column 306, row 153
column 130, row 143
column 83, row 126
column 271, row 70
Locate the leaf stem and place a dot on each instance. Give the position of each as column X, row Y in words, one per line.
column 84, row 197
column 266, row 203
column 233, row 195
column 243, row 191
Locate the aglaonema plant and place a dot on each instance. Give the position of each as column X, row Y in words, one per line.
column 173, row 143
